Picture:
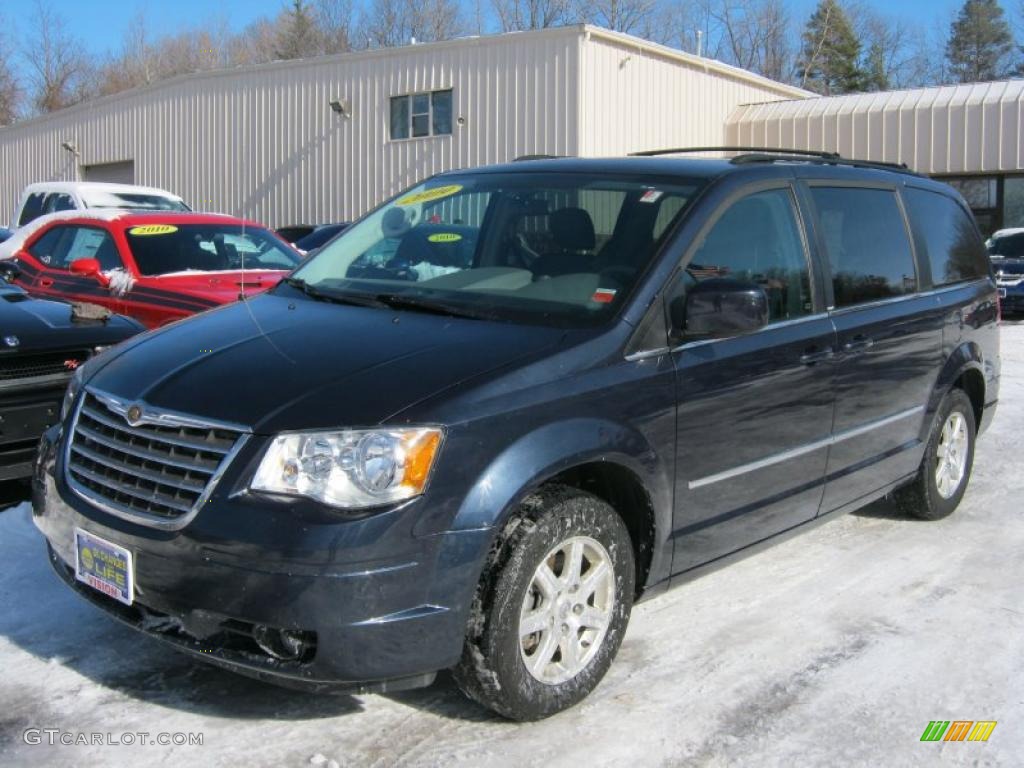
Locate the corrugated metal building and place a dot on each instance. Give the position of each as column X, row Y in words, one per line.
column 265, row 141
column 968, row 135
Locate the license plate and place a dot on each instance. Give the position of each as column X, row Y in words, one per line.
column 104, row 566
column 1002, row 293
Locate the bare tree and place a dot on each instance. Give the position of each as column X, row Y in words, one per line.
column 389, row 23
column 630, row 16
column 10, row 88
column 516, row 15
column 59, row 72
column 755, row 34
column 334, row 18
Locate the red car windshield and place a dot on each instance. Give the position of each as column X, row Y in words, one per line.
column 169, row 249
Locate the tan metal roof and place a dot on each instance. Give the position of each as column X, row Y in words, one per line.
column 942, row 130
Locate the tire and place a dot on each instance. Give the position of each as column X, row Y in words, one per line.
column 549, row 529
column 926, row 497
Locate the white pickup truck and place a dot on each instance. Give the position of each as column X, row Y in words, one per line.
column 53, row 196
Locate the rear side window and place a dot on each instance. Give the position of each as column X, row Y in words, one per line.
column 32, row 209
column 57, row 201
column 866, row 242
column 953, row 247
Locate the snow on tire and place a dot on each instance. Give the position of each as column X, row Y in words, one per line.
column 552, row 606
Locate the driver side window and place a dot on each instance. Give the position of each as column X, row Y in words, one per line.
column 61, row 246
column 757, row 240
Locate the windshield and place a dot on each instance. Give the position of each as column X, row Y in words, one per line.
column 142, row 202
column 165, row 249
column 1007, row 246
column 561, row 249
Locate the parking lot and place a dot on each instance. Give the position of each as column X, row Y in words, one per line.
column 837, row 647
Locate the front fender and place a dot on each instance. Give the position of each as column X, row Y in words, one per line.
column 547, row 451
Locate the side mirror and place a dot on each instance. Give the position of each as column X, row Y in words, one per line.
column 720, row 307
column 85, row 267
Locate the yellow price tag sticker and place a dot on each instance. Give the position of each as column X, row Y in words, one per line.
column 444, row 237
column 429, row 195
column 153, row 229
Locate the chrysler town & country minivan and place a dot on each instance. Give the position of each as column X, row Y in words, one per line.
column 477, row 427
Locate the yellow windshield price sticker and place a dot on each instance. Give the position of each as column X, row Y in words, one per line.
column 444, row 237
column 153, row 229
column 429, row 195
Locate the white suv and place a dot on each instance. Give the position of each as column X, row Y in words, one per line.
column 53, row 196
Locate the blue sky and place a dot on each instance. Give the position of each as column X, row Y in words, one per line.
column 100, row 24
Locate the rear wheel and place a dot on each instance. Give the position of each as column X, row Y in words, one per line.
column 946, row 466
column 552, row 609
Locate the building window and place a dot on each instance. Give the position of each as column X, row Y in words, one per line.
column 415, row 115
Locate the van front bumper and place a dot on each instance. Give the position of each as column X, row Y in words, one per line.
column 374, row 622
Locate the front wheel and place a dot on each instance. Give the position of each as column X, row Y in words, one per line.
column 551, row 611
column 946, row 466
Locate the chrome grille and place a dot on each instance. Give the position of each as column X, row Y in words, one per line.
column 158, row 469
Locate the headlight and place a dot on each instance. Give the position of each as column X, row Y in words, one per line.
column 352, row 468
column 74, row 387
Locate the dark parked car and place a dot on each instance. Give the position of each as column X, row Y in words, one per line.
column 4, row 234
column 1010, row 279
column 294, row 232
column 643, row 368
column 42, row 343
column 319, row 236
column 1007, row 243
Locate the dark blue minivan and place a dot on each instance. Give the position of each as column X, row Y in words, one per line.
column 480, row 424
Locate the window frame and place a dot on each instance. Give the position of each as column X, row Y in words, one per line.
column 429, row 114
column 806, row 185
column 799, row 210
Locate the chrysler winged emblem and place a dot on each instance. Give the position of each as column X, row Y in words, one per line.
column 134, row 415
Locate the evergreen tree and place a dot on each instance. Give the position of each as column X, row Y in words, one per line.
column 830, row 56
column 980, row 42
column 299, row 35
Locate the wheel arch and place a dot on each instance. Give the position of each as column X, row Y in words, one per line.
column 963, row 369
column 612, row 461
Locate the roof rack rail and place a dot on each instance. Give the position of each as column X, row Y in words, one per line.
column 837, row 160
column 762, row 150
column 525, row 158
column 772, row 155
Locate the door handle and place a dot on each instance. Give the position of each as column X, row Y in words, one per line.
column 45, row 282
column 858, row 344
column 813, row 356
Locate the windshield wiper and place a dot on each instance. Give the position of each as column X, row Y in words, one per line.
column 420, row 304
column 386, row 301
column 356, row 300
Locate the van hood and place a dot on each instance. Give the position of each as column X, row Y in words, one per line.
column 284, row 361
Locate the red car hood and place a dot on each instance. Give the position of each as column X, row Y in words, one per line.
column 218, row 286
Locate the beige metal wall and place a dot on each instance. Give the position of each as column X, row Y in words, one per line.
column 944, row 130
column 637, row 95
column 263, row 141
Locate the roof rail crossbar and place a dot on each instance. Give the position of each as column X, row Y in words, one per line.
column 761, row 150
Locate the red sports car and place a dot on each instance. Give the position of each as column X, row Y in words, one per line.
column 155, row 267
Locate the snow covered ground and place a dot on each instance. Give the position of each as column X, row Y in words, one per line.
column 835, row 648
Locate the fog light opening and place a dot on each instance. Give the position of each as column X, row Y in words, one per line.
column 282, row 644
